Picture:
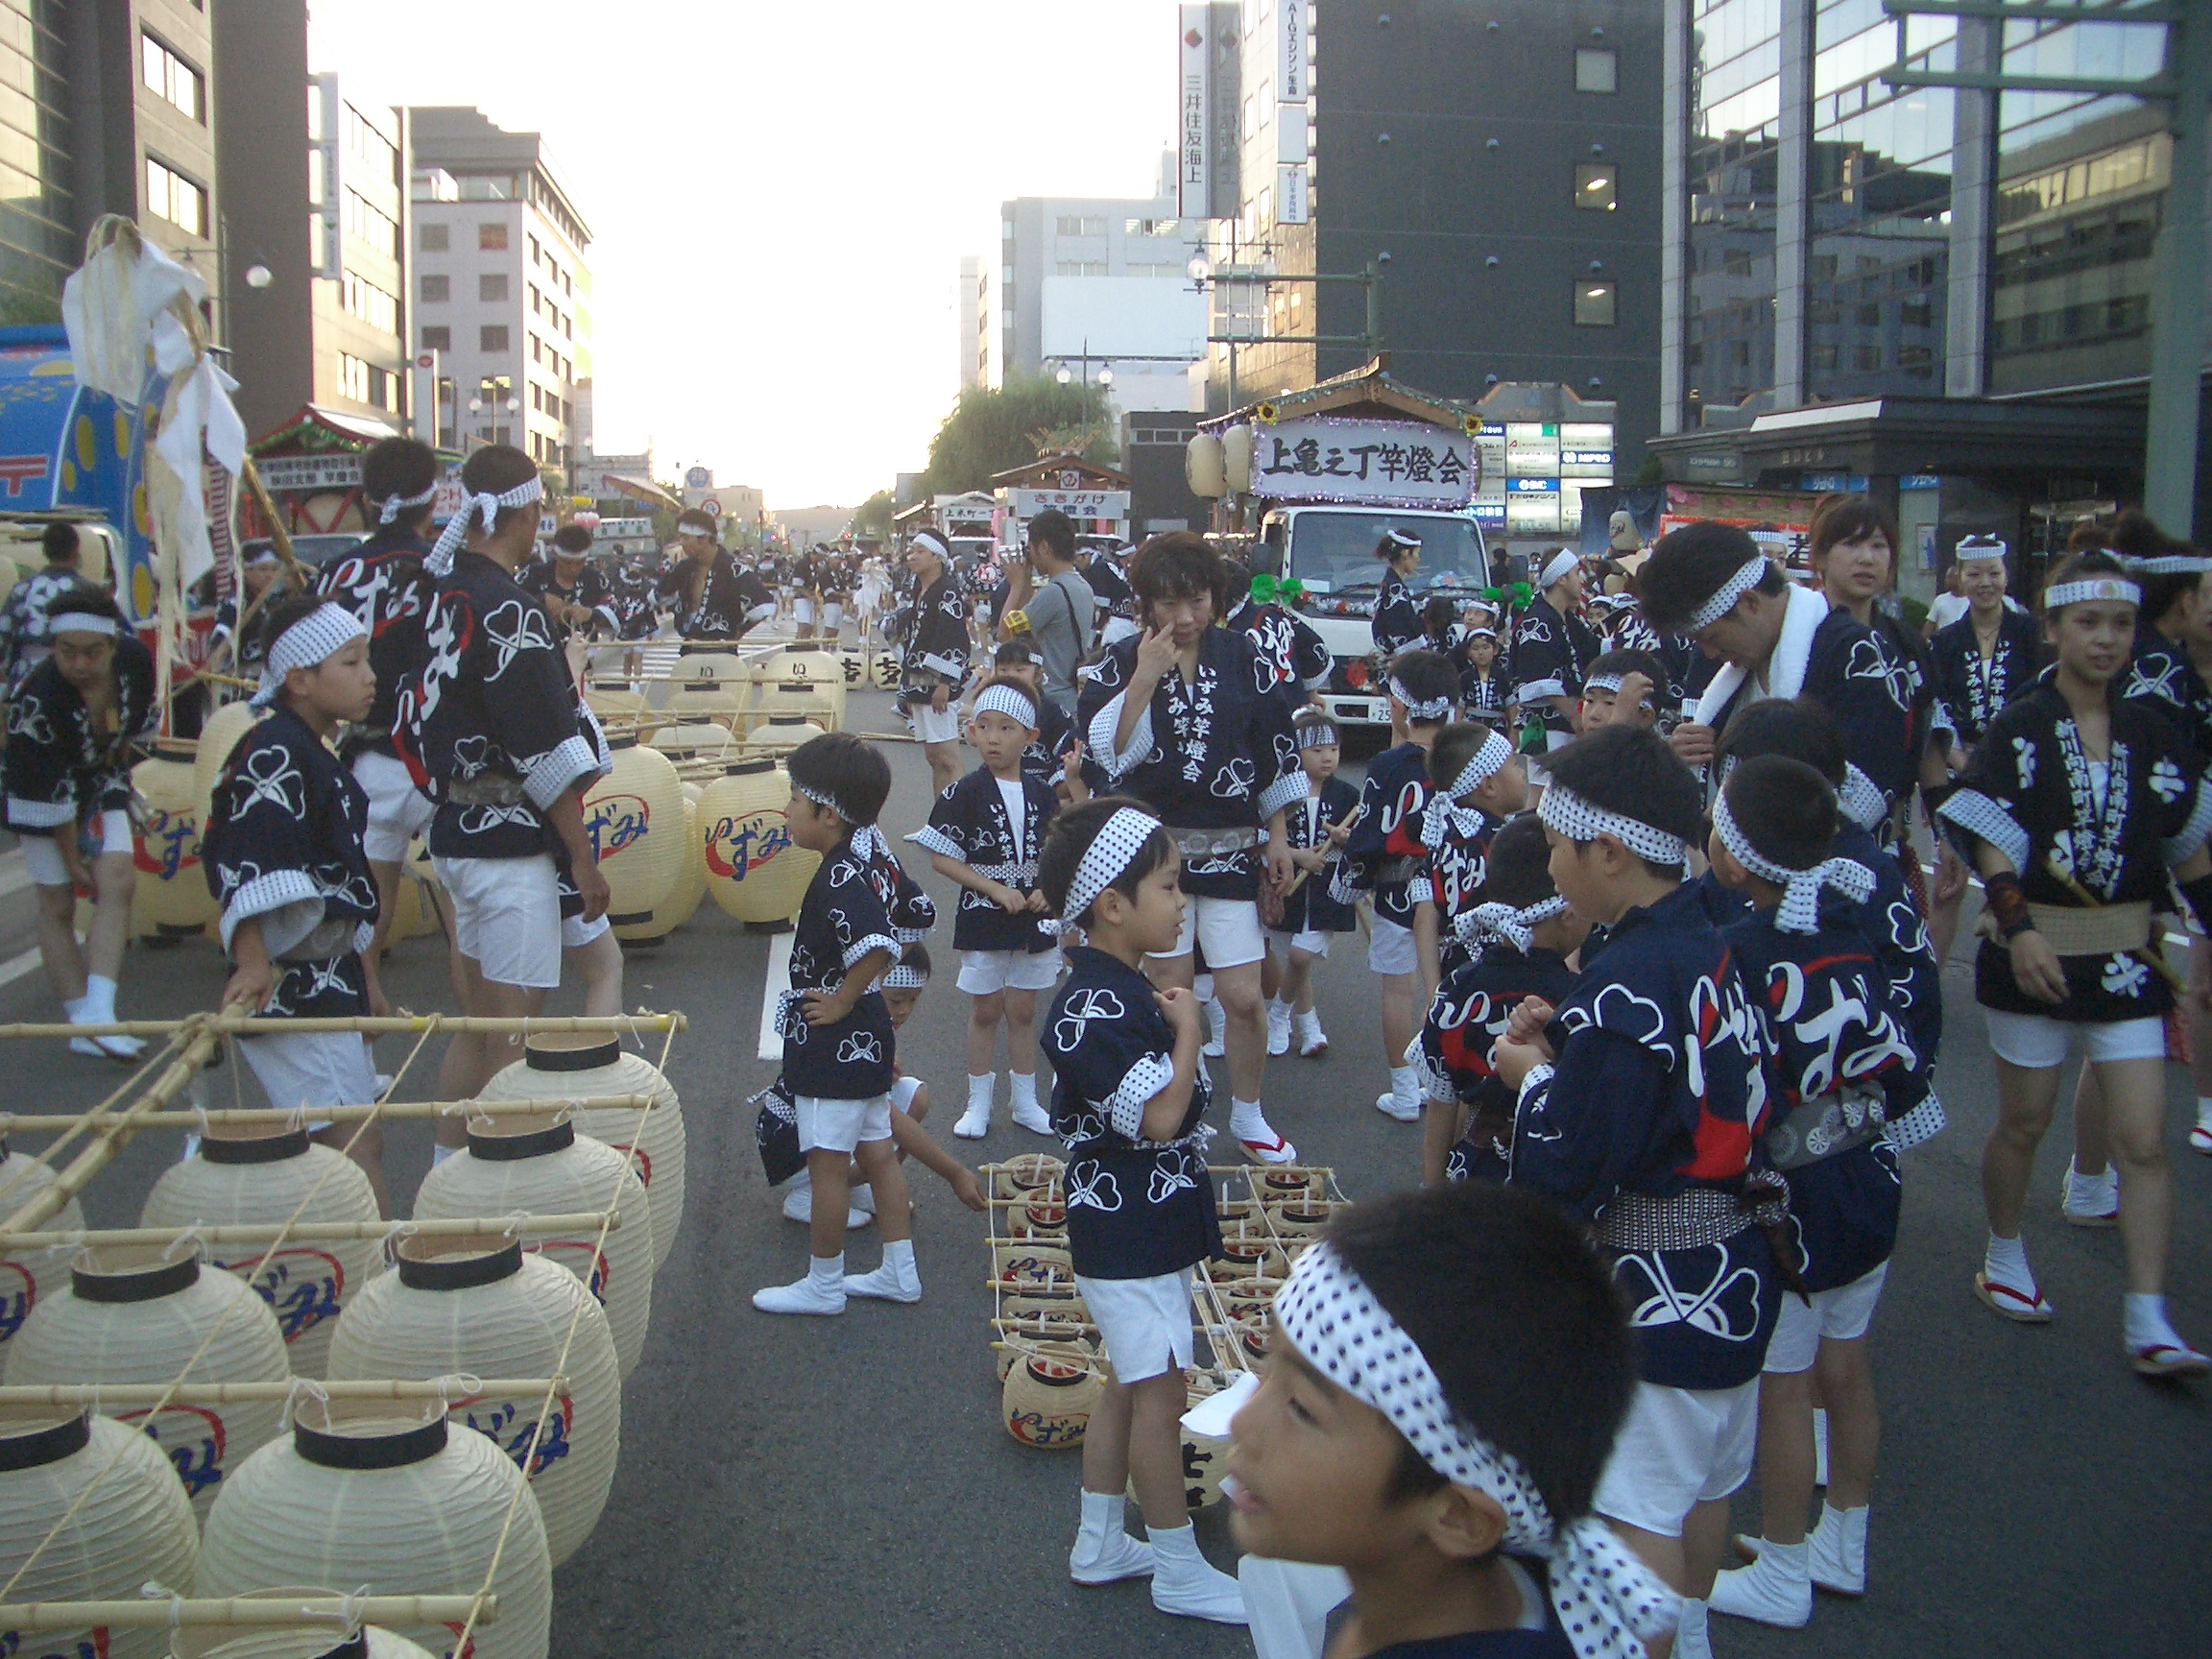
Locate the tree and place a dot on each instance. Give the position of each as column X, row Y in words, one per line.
column 992, row 429
column 873, row 517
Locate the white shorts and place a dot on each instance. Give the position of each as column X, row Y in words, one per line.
column 936, row 725
column 983, row 971
column 832, row 615
column 1678, row 1447
column 1841, row 1313
column 576, row 932
column 1312, row 940
column 42, row 855
column 1145, row 1323
column 903, row 1093
column 804, row 608
column 840, row 1125
column 397, row 811
column 1228, row 927
column 1390, row 948
column 2037, row 1041
column 507, row 917
column 1118, row 628
column 312, row 1068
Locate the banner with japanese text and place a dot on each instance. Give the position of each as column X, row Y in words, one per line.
column 1381, row 463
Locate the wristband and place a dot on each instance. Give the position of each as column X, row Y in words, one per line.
column 2198, row 893
column 2009, row 905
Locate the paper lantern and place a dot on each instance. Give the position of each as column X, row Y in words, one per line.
column 135, row 1527
column 1302, row 1218
column 1203, row 467
column 379, row 1495
column 709, row 686
column 1023, row 1334
column 128, row 1316
column 616, row 704
column 218, row 737
column 291, row 1641
column 170, row 899
column 1047, row 1398
column 782, row 735
column 683, row 897
column 28, row 1276
column 1031, row 1265
column 819, row 700
column 1284, row 1185
column 699, row 740
column 1248, row 1254
column 524, row 1166
column 480, row 1308
column 581, row 1065
column 1026, row 1174
column 634, row 818
column 255, row 1177
column 753, row 871
column 1237, row 445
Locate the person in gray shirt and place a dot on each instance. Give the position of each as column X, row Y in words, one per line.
column 1050, row 606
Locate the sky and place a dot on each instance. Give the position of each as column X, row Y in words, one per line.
column 779, row 195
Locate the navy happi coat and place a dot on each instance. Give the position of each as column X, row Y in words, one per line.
column 1465, row 1019
column 383, row 583
column 1550, row 655
column 2161, row 675
column 968, row 824
column 1397, row 623
column 728, row 600
column 936, row 631
column 1383, row 852
column 58, row 770
column 1309, row 906
column 1456, row 867
column 841, row 920
column 1976, row 689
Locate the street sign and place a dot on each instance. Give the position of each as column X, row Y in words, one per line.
column 712, row 507
column 699, row 478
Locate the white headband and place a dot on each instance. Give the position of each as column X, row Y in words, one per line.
column 1485, row 763
column 2170, row 565
column 485, row 510
column 1580, row 820
column 1016, row 705
column 80, row 622
column 1562, row 564
column 1608, row 1602
column 905, row 977
column 1725, row 596
column 1402, row 541
column 1482, row 632
column 1609, row 683
column 1973, row 547
column 1433, row 709
column 929, row 539
column 314, row 638
column 1801, row 895
column 867, row 839
column 395, row 505
column 2107, row 588
column 1120, row 841
column 1516, row 927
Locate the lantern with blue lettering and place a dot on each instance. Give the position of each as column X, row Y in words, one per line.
column 129, row 1316
column 1049, row 1390
column 257, row 1177
column 634, row 818
column 479, row 1308
column 753, row 870
column 683, row 898
column 170, row 899
column 27, row 1275
column 218, row 738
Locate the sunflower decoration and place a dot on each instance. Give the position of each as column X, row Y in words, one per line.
column 1470, row 425
column 1266, row 413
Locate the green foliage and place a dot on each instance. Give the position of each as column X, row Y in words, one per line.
column 873, row 517
column 989, row 430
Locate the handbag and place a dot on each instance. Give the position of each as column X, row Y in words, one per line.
column 776, row 1128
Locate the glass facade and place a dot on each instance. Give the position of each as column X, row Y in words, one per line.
column 37, row 248
column 1735, row 101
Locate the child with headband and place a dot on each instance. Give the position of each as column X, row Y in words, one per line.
column 1623, row 687
column 1129, row 1097
column 1449, row 1370
column 1838, row 1045
column 1480, row 783
column 1300, row 925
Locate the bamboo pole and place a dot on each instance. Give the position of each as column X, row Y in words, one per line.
column 369, row 1025
column 34, row 1122
column 315, row 1232
column 263, row 1611
column 105, row 1395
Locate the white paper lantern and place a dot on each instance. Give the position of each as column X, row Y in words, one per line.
column 520, row 1166
column 382, row 1496
column 585, row 1065
column 479, row 1307
column 242, row 1176
column 294, row 1640
column 128, row 1316
column 135, row 1529
column 26, row 1276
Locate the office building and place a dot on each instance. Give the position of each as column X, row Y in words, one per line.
column 1498, row 164
column 500, row 287
column 1097, row 284
column 111, row 113
column 970, row 320
column 1942, row 295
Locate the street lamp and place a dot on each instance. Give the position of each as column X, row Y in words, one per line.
column 1199, row 267
column 258, row 276
column 1105, row 376
column 1064, row 376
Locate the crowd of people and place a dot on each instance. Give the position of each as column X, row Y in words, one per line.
column 1657, row 964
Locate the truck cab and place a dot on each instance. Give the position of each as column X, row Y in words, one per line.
column 1330, row 551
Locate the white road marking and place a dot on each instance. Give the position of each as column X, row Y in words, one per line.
column 779, row 983
column 15, row 966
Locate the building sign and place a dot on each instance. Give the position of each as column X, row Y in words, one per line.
column 1290, row 192
column 1835, row 483
column 1532, row 505
column 305, row 474
column 1290, row 51
column 1385, row 462
column 1780, row 522
column 1194, row 140
column 1531, row 449
column 1534, row 472
column 1076, row 503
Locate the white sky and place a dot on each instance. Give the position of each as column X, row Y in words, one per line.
column 779, row 195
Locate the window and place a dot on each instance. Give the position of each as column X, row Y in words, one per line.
column 1067, row 225
column 1918, row 314
column 369, row 303
column 1596, row 186
column 491, row 288
column 433, row 239
column 492, row 338
column 353, row 377
column 1080, row 268
column 1597, row 69
column 174, row 80
column 1823, row 357
column 437, row 339
column 1865, row 359
column 1867, row 316
column 171, row 196
column 491, row 238
column 371, row 225
column 1917, row 360
column 1595, row 303
column 437, row 289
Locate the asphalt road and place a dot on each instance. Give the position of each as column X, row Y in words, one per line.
column 800, row 1487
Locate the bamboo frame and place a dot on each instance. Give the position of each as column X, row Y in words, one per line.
column 100, row 1395
column 192, row 1612
column 34, row 1122
column 317, row 1232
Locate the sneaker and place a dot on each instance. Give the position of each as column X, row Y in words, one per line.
column 1776, row 1588
column 1312, row 1041
column 1108, row 1559
column 2090, row 1200
column 1391, row 1106
column 1278, row 1028
column 1031, row 1116
column 2021, row 1307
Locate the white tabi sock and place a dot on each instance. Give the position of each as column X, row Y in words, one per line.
column 2006, row 1262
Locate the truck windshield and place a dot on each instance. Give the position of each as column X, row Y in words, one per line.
column 1333, row 552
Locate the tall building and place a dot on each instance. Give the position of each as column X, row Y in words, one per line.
column 969, row 320
column 1500, row 163
column 1942, row 296
column 500, row 287
column 1090, row 283
column 109, row 112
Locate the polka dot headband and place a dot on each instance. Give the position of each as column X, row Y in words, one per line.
column 905, row 977
column 1017, row 706
column 395, row 505
column 1516, row 927
column 314, row 638
column 1801, row 895
column 1608, row 1602
column 1973, row 547
column 1420, row 707
column 1580, row 820
column 1120, row 839
column 1485, row 763
column 1724, row 598
column 867, row 840
column 1563, row 565
column 485, row 510
column 2109, row 588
